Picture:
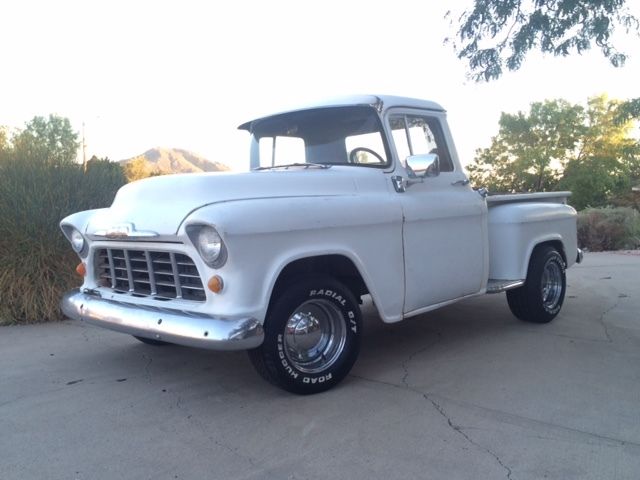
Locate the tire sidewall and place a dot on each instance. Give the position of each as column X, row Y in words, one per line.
column 276, row 359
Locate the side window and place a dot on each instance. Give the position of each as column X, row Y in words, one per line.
column 399, row 134
column 422, row 138
column 415, row 135
column 281, row 151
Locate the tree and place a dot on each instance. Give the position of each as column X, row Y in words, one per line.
column 498, row 34
column 531, row 149
column 608, row 160
column 140, row 168
column 564, row 146
column 4, row 143
column 4, row 140
column 628, row 110
column 105, row 171
column 49, row 141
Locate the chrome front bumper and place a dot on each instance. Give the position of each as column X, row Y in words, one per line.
column 173, row 326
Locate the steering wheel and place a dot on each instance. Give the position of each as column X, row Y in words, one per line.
column 353, row 155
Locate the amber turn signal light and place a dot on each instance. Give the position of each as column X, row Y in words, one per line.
column 215, row 284
column 81, row 269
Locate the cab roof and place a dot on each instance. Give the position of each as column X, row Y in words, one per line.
column 380, row 102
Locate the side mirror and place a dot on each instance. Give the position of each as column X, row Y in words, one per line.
column 424, row 165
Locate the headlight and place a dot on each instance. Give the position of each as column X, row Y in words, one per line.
column 79, row 244
column 77, row 240
column 209, row 244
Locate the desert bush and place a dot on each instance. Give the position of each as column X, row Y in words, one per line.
column 628, row 199
column 601, row 229
column 36, row 261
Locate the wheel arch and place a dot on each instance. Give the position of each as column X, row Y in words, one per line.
column 337, row 265
column 554, row 241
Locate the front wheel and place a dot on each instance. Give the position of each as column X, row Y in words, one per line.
column 312, row 336
column 540, row 299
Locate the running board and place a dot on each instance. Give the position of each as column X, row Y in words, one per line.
column 497, row 286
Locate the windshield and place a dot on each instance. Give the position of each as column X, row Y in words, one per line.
column 324, row 136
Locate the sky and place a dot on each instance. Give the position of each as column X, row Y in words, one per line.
column 143, row 74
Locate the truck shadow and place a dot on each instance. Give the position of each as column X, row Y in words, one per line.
column 385, row 348
column 471, row 320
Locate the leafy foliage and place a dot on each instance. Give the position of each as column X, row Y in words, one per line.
column 531, row 149
column 629, row 110
column 4, row 141
column 48, row 141
column 102, row 176
column 608, row 160
column 498, row 34
column 139, row 168
column 558, row 145
column 39, row 185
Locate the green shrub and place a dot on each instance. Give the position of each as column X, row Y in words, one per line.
column 601, row 229
column 36, row 261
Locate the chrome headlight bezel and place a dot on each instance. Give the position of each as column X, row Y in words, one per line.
column 209, row 244
column 76, row 239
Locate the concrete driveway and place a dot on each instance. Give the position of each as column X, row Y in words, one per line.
column 467, row 392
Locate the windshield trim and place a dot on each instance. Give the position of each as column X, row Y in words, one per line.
column 378, row 119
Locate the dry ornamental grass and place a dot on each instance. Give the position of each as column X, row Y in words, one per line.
column 36, row 261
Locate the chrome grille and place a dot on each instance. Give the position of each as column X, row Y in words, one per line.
column 162, row 275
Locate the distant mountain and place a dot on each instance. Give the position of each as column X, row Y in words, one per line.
column 173, row 160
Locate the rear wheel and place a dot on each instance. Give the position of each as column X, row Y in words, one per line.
column 312, row 336
column 540, row 299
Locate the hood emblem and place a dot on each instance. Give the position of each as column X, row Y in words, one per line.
column 119, row 231
column 123, row 230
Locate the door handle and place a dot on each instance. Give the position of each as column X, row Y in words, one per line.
column 462, row 183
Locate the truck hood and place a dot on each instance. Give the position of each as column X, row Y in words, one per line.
column 160, row 204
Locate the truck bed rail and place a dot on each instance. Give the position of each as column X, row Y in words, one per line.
column 545, row 197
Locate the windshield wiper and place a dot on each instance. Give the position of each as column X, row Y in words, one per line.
column 289, row 165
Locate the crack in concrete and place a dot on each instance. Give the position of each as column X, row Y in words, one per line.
column 234, row 451
column 602, row 322
column 562, row 335
column 517, row 418
column 84, row 334
column 147, row 370
column 405, row 366
column 456, row 428
column 405, row 363
column 460, row 430
column 179, row 405
column 608, row 266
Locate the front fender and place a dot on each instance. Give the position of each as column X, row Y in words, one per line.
column 263, row 236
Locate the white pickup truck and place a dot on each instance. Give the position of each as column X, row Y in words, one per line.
column 361, row 196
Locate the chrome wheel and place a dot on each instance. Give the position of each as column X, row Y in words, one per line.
column 551, row 284
column 312, row 334
column 315, row 335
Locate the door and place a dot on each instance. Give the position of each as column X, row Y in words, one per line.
column 444, row 229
